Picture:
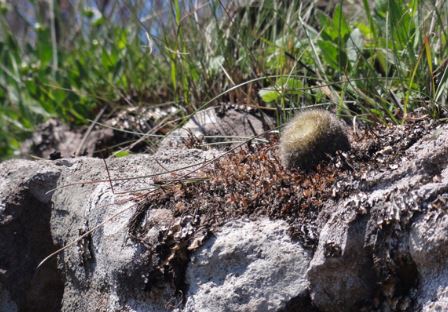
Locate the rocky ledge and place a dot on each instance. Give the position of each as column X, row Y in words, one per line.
column 190, row 229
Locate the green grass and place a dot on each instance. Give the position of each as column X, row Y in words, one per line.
column 379, row 66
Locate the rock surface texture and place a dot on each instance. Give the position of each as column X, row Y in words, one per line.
column 221, row 128
column 25, row 237
column 380, row 243
column 247, row 266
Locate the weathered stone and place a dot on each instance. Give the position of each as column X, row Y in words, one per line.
column 381, row 245
column 25, row 238
column 364, row 246
column 210, row 126
column 107, row 270
column 247, row 266
column 429, row 250
column 340, row 273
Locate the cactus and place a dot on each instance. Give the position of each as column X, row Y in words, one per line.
column 311, row 137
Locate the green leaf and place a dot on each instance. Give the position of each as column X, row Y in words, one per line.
column 122, row 40
column 290, row 85
column 43, row 46
column 118, row 70
column 326, row 24
column 365, row 30
column 34, row 106
column 340, row 25
column 329, row 52
column 177, row 11
column 173, row 73
column 99, row 22
column 121, row 153
column 379, row 59
column 269, row 94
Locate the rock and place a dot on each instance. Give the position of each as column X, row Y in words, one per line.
column 25, row 237
column 54, row 140
column 378, row 242
column 340, row 273
column 6, row 303
column 429, row 248
column 428, row 239
column 247, row 266
column 365, row 246
column 108, row 270
column 212, row 127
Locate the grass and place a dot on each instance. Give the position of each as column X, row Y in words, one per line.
column 68, row 61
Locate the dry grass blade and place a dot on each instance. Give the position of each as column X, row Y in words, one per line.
column 89, row 130
column 183, row 177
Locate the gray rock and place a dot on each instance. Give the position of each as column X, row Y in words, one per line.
column 6, row 303
column 211, row 127
column 428, row 235
column 383, row 246
column 25, row 237
column 248, row 266
column 365, row 246
column 108, row 270
column 340, row 273
column 429, row 250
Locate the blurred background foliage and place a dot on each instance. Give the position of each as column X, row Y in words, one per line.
column 377, row 60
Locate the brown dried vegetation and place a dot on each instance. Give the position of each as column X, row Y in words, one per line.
column 252, row 182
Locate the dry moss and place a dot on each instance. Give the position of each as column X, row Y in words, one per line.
column 252, row 183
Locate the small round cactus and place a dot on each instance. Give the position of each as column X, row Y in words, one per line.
column 311, row 137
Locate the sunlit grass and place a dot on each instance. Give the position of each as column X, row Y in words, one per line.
column 277, row 55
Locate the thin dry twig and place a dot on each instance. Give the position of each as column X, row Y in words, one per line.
column 108, row 175
column 202, row 164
